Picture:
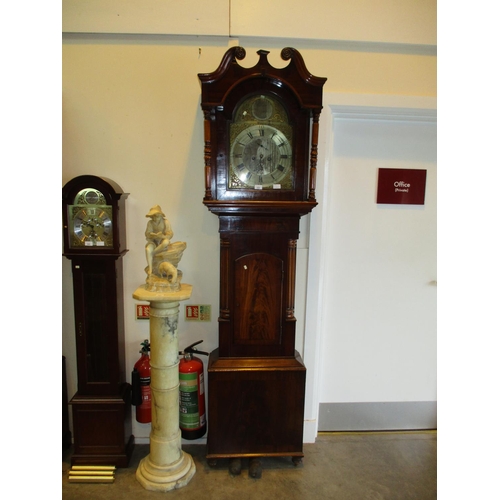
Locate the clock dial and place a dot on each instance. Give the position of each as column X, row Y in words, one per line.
column 261, row 155
column 91, row 226
column 90, row 220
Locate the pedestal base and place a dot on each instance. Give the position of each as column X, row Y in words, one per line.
column 166, row 478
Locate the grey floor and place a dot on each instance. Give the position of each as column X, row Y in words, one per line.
column 341, row 466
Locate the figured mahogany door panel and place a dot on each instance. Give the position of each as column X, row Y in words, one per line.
column 258, row 295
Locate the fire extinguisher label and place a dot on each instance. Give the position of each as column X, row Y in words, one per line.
column 146, row 395
column 189, row 417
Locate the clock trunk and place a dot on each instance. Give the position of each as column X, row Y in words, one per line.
column 257, row 287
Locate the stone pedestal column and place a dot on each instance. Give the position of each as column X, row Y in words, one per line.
column 166, row 467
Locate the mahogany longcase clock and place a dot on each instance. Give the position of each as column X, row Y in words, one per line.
column 261, row 132
column 93, row 211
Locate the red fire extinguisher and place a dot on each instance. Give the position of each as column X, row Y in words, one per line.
column 192, row 418
column 141, row 386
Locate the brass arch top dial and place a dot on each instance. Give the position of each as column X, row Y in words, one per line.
column 90, row 220
column 261, row 151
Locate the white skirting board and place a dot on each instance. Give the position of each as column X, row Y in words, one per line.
column 377, row 416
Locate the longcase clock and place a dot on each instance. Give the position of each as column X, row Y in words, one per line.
column 261, row 133
column 93, row 210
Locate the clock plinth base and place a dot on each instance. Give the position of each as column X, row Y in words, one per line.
column 166, row 467
column 256, row 407
column 102, row 429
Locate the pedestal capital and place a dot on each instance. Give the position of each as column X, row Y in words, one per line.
column 171, row 296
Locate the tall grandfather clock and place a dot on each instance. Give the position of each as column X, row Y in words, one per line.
column 93, row 210
column 261, row 134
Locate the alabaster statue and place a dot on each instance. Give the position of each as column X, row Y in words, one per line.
column 162, row 255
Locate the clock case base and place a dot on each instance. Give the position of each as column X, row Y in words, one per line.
column 102, row 429
column 255, row 407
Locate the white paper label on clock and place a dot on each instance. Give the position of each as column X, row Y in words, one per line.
column 258, row 186
column 89, row 243
column 276, row 186
column 100, row 243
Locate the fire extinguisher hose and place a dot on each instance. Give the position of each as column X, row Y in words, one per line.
column 136, row 388
column 192, row 349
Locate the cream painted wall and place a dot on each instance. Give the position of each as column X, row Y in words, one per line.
column 383, row 21
column 131, row 113
column 173, row 17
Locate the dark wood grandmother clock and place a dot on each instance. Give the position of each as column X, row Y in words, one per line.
column 94, row 240
column 261, row 133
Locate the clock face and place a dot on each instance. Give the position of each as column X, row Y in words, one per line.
column 261, row 152
column 90, row 220
column 261, row 155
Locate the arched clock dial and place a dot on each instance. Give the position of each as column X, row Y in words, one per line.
column 90, row 220
column 261, row 146
column 261, row 156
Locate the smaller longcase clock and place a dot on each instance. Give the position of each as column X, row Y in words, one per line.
column 93, row 212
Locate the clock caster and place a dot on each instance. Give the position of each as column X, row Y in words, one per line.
column 235, row 466
column 296, row 461
column 255, row 468
column 212, row 462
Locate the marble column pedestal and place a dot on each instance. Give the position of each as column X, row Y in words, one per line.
column 166, row 467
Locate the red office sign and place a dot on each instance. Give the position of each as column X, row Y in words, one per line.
column 401, row 186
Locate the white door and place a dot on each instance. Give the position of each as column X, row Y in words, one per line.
column 376, row 347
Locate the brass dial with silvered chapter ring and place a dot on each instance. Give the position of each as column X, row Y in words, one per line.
column 92, row 226
column 90, row 220
column 260, row 156
column 261, row 152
